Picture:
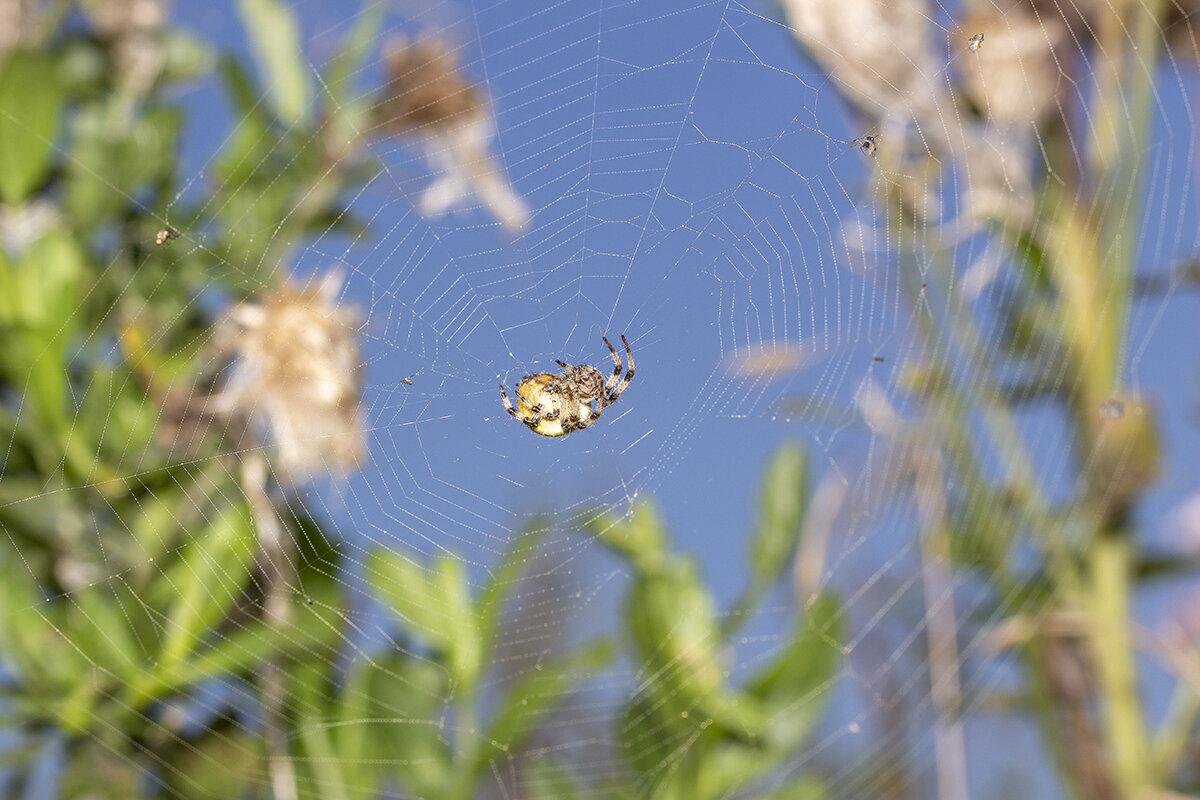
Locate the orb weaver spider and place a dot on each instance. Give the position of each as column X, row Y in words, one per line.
column 555, row 405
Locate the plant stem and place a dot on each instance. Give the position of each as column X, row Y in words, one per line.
column 1112, row 645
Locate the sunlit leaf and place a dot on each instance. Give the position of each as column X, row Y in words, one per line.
column 275, row 35
column 434, row 605
column 504, row 577
column 207, row 580
column 535, row 694
column 640, row 536
column 30, row 100
column 783, row 501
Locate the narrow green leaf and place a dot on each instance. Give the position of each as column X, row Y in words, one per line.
column 466, row 647
column 505, row 575
column 314, row 629
column 783, row 501
column 434, row 605
column 275, row 37
column 796, row 682
column 30, row 100
column 641, row 536
column 392, row 711
column 673, row 620
column 531, row 697
column 98, row 625
column 354, row 48
column 206, row 581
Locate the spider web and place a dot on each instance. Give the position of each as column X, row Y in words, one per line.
column 690, row 185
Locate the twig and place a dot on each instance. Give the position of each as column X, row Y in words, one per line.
column 277, row 613
column 945, row 687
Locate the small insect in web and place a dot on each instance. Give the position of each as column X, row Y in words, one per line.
column 407, row 381
column 867, row 144
column 555, row 405
column 165, row 235
column 975, row 42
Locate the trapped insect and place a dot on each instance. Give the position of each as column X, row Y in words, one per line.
column 165, row 235
column 975, row 42
column 555, row 405
column 867, row 144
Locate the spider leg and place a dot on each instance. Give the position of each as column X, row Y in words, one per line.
column 530, row 421
column 579, row 423
column 575, row 422
column 611, row 397
column 508, row 404
column 563, row 364
column 612, row 379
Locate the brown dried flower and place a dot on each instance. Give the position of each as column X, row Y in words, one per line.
column 295, row 374
column 425, row 88
column 18, row 24
column 135, row 29
column 428, row 95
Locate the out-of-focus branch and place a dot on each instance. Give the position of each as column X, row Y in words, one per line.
column 276, row 564
column 940, row 623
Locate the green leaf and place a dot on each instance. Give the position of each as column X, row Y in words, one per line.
column 353, row 50
column 641, row 536
column 796, row 682
column 434, row 605
column 506, row 574
column 209, row 578
column 531, row 697
column 275, row 38
column 350, row 108
column 391, row 710
column 185, row 56
column 39, row 317
column 783, row 500
column 672, row 618
column 30, row 100
column 314, row 630
column 98, row 625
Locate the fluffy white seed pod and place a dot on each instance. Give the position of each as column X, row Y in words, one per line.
column 295, row 375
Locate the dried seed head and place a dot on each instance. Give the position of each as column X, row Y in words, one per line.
column 295, row 374
column 18, row 23
column 134, row 27
column 425, row 90
column 428, row 95
column 1016, row 79
column 880, row 51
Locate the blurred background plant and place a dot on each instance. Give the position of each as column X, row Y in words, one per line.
column 1057, row 187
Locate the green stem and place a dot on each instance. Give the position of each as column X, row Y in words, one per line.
column 1112, row 644
column 1173, row 737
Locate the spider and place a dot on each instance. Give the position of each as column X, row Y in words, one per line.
column 555, row 405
